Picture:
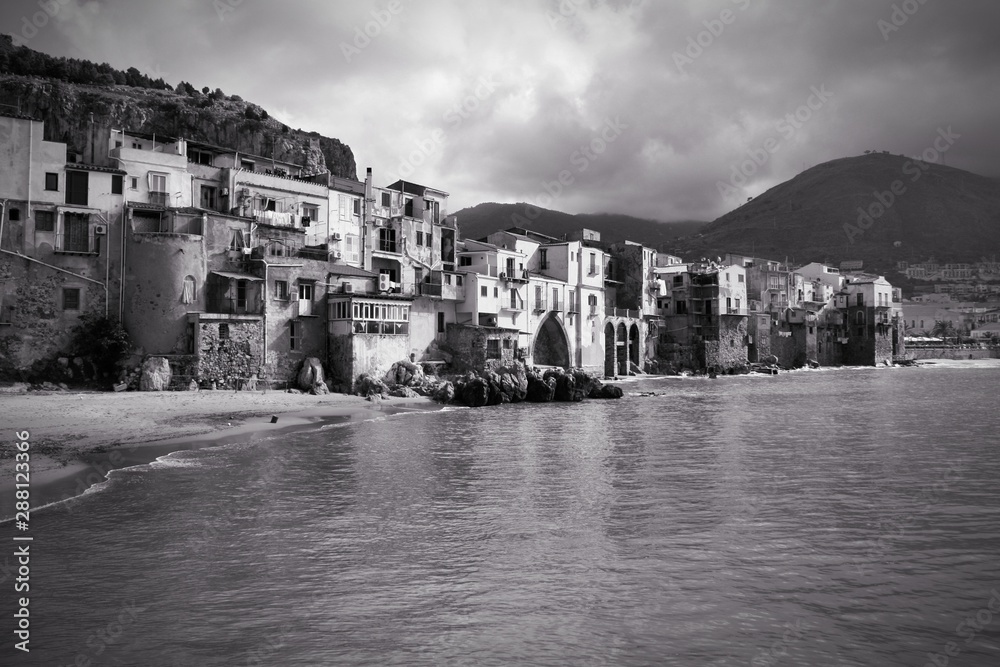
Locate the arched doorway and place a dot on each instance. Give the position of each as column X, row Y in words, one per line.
column 621, row 349
column 633, row 345
column 609, row 349
column 551, row 345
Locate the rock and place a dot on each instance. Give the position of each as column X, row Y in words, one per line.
column 565, row 388
column 121, row 386
column 367, row 385
column 63, row 361
column 540, row 390
column 319, row 389
column 293, row 391
column 475, row 392
column 404, row 373
column 63, row 386
column 311, row 373
column 812, row 363
column 404, row 392
column 193, row 385
column 155, row 374
column 609, row 391
column 15, row 388
column 445, row 393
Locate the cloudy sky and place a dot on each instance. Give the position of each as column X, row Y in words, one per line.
column 672, row 109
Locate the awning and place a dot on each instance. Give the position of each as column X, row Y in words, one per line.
column 235, row 275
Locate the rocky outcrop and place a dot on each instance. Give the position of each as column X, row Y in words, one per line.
column 403, row 392
column 369, row 386
column 319, row 389
column 155, row 374
column 445, row 392
column 541, row 390
column 311, row 374
column 607, row 391
column 404, row 374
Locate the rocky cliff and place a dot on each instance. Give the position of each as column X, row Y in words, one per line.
column 68, row 108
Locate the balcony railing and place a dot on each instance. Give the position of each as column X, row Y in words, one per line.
column 159, row 198
column 388, row 246
column 73, row 243
column 230, row 306
column 556, row 305
column 540, row 305
column 515, row 303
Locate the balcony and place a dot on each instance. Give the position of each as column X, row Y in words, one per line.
column 159, row 198
column 386, row 245
column 232, row 306
column 515, row 303
column 541, row 305
column 515, row 276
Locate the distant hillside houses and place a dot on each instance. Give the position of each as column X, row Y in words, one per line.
column 238, row 268
column 987, row 269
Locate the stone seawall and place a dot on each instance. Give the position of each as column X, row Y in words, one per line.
column 952, row 353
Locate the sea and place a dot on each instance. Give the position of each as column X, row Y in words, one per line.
column 826, row 517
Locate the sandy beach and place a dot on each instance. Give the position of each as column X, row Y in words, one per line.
column 68, row 429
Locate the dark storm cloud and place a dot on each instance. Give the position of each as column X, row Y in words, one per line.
column 513, row 101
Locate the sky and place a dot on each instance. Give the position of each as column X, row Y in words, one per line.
column 667, row 110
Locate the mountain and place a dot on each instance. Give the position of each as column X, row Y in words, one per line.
column 878, row 208
column 68, row 94
column 482, row 219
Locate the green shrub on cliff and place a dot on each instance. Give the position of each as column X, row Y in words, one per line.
column 104, row 341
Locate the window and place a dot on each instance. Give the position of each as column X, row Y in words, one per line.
column 246, row 165
column 136, row 145
column 465, row 261
column 682, row 308
column 861, row 299
column 117, row 184
column 157, row 182
column 737, row 304
column 14, row 214
column 742, row 278
column 276, row 249
column 593, row 264
column 294, row 335
column 310, row 214
column 543, row 259
column 729, row 303
column 458, row 281
column 496, row 292
column 440, row 323
column 483, row 290
column 281, row 290
column 493, row 348
column 420, row 238
column 241, row 294
column 76, row 233
column 187, row 290
column 77, row 187
column 506, row 343
column 51, row 181
column 305, row 291
column 45, row 221
column 357, row 207
column 209, row 198
column 71, row 298
column 133, row 183
column 386, row 199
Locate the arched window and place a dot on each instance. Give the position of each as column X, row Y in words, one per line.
column 187, row 293
column 859, row 318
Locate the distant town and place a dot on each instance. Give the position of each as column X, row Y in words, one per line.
column 236, row 267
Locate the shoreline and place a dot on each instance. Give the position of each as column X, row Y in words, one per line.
column 78, row 438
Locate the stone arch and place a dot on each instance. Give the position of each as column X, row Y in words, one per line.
column 609, row 349
column 633, row 345
column 621, row 336
column 551, row 344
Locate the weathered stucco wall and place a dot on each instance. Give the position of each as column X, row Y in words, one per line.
column 39, row 328
column 155, row 314
column 469, row 345
column 374, row 354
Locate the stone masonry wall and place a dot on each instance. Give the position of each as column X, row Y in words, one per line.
column 227, row 362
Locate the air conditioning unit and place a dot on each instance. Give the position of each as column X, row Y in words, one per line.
column 503, row 276
column 348, row 288
column 306, row 221
column 335, row 236
column 247, row 251
column 384, row 284
column 100, row 230
column 245, row 192
column 225, row 192
column 337, row 254
column 379, row 223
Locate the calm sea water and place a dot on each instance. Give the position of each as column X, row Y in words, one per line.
column 842, row 517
